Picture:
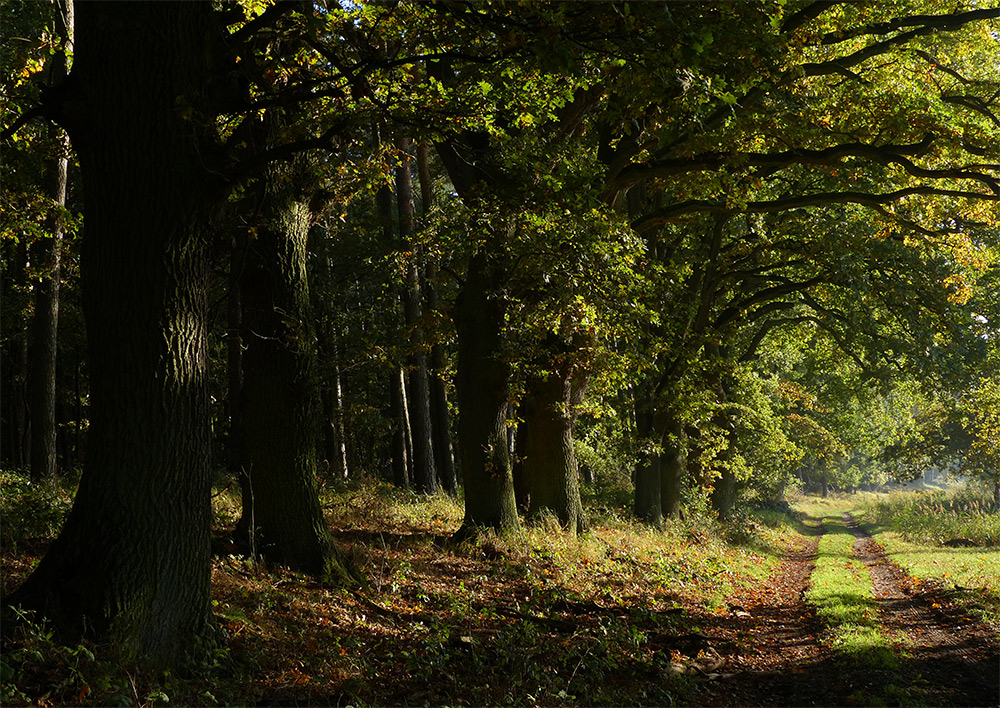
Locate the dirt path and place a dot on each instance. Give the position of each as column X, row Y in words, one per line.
column 953, row 659
column 770, row 642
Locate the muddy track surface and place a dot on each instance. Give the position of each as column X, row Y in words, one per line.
column 770, row 650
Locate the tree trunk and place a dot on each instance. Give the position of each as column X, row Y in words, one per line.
column 550, row 465
column 483, row 387
column 334, row 434
column 418, row 390
column 522, row 487
column 444, row 456
column 648, row 487
column 234, row 357
column 280, row 386
column 673, row 465
column 723, row 496
column 402, row 441
column 401, row 446
column 18, row 449
column 131, row 566
column 45, row 328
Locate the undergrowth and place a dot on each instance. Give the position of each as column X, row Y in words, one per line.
column 537, row 617
column 936, row 517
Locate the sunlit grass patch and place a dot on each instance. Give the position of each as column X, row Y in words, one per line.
column 866, row 644
column 841, row 591
column 380, row 506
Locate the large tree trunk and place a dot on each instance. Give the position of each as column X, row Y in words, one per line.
column 418, row 388
column 131, row 566
column 281, row 388
column 673, row 465
column 723, row 495
column 648, row 487
column 549, row 412
column 483, row 387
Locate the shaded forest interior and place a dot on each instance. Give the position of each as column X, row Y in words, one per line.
column 543, row 265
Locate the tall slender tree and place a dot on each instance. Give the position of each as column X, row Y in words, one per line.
column 47, row 256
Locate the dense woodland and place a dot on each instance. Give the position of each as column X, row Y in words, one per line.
column 495, row 250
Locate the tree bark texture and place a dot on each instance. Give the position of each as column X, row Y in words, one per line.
column 673, row 465
column 131, row 566
column 483, row 388
column 548, row 410
column 280, row 400
column 648, row 486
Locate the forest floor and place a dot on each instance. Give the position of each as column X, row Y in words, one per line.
column 623, row 615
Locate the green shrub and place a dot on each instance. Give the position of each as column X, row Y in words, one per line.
column 31, row 509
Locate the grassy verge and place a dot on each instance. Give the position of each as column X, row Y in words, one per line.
column 935, row 517
column 912, row 527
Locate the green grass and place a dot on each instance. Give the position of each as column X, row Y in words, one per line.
column 912, row 526
column 841, row 591
column 935, row 517
column 973, row 573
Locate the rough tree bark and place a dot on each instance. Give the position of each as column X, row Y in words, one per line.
column 131, row 566
column 549, row 411
column 673, row 465
column 281, row 512
column 483, row 386
column 648, row 488
column 482, row 379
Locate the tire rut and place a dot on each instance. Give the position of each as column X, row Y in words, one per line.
column 953, row 659
column 769, row 640
column 767, row 637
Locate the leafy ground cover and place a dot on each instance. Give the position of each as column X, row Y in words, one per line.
column 695, row 613
column 537, row 618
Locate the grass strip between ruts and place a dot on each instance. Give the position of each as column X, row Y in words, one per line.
column 841, row 591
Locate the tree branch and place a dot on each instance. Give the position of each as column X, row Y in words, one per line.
column 694, row 206
column 809, row 12
column 927, row 24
